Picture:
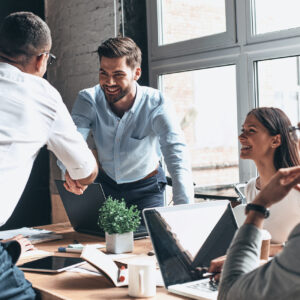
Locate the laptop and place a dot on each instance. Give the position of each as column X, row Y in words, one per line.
column 83, row 210
column 185, row 239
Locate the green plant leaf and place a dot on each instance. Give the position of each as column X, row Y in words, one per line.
column 115, row 217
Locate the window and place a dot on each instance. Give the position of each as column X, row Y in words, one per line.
column 244, row 54
column 278, row 85
column 270, row 15
column 183, row 20
column 206, row 105
column 179, row 27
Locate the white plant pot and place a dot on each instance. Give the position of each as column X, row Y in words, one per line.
column 119, row 243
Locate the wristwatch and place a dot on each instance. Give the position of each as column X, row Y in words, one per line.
column 259, row 208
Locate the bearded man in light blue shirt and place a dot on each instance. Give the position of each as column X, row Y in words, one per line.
column 132, row 126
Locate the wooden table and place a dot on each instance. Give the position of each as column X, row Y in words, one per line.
column 69, row 285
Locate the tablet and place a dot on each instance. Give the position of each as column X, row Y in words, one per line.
column 52, row 264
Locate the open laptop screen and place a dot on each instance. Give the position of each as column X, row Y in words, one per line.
column 83, row 210
column 185, row 237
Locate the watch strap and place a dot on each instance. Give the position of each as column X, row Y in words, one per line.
column 259, row 208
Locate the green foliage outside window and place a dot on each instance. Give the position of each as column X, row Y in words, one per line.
column 115, row 217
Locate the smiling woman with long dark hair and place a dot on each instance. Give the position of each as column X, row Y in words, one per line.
column 266, row 140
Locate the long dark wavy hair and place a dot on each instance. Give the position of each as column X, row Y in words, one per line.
column 277, row 122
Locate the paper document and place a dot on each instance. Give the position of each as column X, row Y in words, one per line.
column 86, row 269
column 25, row 231
column 44, row 237
column 104, row 264
column 33, row 234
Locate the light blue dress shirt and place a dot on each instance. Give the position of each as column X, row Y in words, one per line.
column 129, row 148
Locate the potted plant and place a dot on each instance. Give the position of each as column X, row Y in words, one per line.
column 118, row 223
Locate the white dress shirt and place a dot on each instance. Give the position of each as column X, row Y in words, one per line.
column 32, row 115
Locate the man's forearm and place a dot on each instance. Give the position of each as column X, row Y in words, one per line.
column 255, row 218
column 244, row 252
column 242, row 257
column 267, row 281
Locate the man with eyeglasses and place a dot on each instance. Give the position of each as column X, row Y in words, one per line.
column 32, row 115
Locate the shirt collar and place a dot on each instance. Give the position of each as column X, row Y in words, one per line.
column 9, row 66
column 138, row 98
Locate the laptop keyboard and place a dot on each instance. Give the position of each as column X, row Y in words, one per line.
column 211, row 286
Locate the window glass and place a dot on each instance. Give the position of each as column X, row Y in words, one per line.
column 205, row 102
column 270, row 15
column 278, row 85
column 183, row 20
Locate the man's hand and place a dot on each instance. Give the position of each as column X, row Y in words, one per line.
column 74, row 186
column 216, row 266
column 279, row 186
column 24, row 243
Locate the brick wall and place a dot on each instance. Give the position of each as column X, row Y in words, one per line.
column 78, row 27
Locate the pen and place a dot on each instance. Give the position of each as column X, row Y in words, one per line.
column 122, row 274
column 77, row 248
column 71, row 250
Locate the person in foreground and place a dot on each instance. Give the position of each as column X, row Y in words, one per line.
column 32, row 115
column 132, row 127
column 280, row 277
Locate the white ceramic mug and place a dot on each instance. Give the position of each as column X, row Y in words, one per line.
column 142, row 279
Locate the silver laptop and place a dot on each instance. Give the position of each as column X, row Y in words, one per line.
column 185, row 239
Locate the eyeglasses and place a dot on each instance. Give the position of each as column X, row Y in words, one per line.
column 294, row 133
column 51, row 58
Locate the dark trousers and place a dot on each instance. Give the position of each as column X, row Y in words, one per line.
column 13, row 285
column 144, row 193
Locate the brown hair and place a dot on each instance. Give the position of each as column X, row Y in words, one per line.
column 277, row 122
column 120, row 47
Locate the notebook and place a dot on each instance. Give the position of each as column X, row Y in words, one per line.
column 83, row 210
column 185, row 239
